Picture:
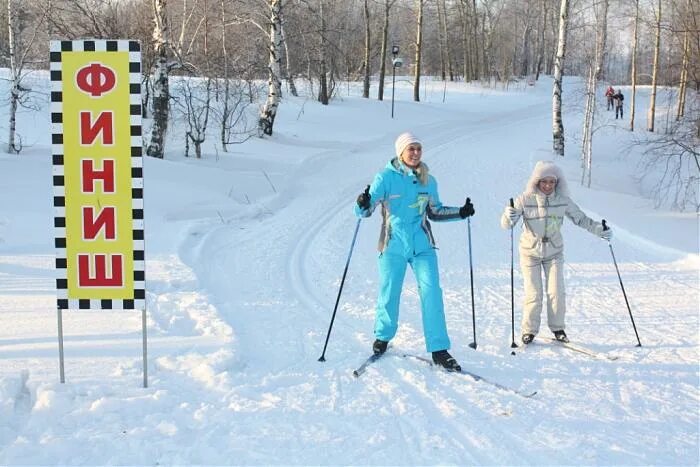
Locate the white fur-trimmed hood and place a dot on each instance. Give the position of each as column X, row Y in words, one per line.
column 547, row 169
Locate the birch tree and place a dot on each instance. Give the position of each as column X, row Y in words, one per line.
column 368, row 47
column 557, row 123
column 444, row 42
column 633, row 77
column 388, row 4
column 21, row 42
column 595, row 69
column 289, row 73
column 419, row 46
column 464, row 26
column 541, row 38
column 655, row 70
column 683, row 82
column 476, row 45
column 323, row 94
column 15, row 73
column 525, row 41
column 160, row 82
column 194, row 102
column 225, row 69
column 274, row 85
column 469, row 25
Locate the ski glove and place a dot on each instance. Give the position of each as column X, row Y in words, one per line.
column 606, row 234
column 363, row 201
column 512, row 215
column 466, row 210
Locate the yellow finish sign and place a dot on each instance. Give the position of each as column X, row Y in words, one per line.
column 95, row 107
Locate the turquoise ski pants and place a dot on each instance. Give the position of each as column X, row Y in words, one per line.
column 392, row 270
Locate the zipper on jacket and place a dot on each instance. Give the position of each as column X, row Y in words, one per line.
column 545, row 238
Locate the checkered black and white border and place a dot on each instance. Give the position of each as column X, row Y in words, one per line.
column 55, row 51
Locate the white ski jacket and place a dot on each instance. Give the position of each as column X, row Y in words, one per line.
column 543, row 214
column 542, row 219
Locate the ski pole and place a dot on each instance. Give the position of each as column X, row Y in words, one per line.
column 513, row 345
column 639, row 343
column 322, row 358
column 471, row 278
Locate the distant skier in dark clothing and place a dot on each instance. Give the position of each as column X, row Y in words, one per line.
column 609, row 93
column 618, row 103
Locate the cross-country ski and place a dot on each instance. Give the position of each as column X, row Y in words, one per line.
column 579, row 348
column 362, row 368
column 475, row 377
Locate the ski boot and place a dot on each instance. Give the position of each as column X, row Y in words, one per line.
column 561, row 336
column 379, row 347
column 444, row 359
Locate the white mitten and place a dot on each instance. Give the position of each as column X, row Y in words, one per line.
column 512, row 214
column 606, row 234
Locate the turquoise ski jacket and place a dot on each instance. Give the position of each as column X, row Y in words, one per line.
column 409, row 199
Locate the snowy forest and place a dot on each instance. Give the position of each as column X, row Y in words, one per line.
column 262, row 122
column 246, row 54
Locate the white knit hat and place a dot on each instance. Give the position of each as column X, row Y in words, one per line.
column 404, row 140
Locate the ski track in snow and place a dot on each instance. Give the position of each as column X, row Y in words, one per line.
column 408, row 396
column 238, row 317
column 409, row 392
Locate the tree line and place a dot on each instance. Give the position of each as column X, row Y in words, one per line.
column 230, row 47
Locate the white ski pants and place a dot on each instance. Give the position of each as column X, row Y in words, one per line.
column 553, row 269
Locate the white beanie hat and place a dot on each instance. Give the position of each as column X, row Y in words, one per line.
column 404, row 140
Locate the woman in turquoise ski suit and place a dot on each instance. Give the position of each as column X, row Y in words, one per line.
column 408, row 197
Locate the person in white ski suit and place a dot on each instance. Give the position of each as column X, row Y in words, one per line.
column 408, row 196
column 543, row 206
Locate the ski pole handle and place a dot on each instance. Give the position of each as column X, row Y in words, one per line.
column 512, row 205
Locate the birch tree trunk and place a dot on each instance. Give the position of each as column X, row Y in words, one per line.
column 655, row 71
column 224, row 60
column 466, row 53
column 269, row 110
column 368, row 45
column 442, row 40
column 322, row 65
column 684, row 75
column 21, row 41
column 385, row 44
column 448, row 49
column 419, row 45
column 525, row 46
column 288, row 65
column 557, row 123
column 12, row 146
column 589, row 111
column 476, row 61
column 594, row 74
column 634, row 63
column 161, row 85
column 540, row 39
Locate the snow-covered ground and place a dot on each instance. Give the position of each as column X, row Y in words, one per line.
column 245, row 251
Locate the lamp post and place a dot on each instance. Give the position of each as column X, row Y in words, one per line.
column 395, row 62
